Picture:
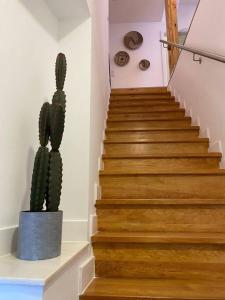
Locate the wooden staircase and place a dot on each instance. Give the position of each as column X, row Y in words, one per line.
column 161, row 216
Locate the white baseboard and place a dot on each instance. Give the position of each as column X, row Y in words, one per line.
column 93, row 224
column 8, row 239
column 216, row 146
column 87, row 273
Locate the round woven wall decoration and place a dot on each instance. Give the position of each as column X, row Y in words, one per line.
column 122, row 58
column 133, row 40
column 144, row 64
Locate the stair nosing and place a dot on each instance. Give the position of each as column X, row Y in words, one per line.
column 152, row 129
column 185, row 141
column 164, row 156
column 151, row 119
column 101, row 203
column 158, row 238
column 173, row 104
column 214, row 172
column 147, row 112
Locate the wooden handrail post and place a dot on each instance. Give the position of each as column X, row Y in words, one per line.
column 172, row 31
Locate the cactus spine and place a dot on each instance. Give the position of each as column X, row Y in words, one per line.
column 47, row 172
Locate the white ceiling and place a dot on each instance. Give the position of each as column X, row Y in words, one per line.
column 68, row 9
column 128, row 11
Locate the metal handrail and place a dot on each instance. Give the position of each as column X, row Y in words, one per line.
column 202, row 53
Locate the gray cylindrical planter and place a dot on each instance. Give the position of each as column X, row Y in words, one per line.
column 40, row 235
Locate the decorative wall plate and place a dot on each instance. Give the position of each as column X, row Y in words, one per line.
column 121, row 58
column 133, row 40
column 144, row 64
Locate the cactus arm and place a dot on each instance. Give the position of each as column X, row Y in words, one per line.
column 59, row 98
column 60, row 71
column 54, row 181
column 39, row 179
column 57, row 120
column 44, row 126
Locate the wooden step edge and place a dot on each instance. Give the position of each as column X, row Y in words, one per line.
column 190, row 128
column 114, row 100
column 112, row 109
column 207, row 172
column 146, row 297
column 159, row 237
column 136, row 141
column 104, row 203
column 168, row 102
column 154, row 289
column 148, row 112
column 164, row 156
column 151, row 120
column 145, row 119
column 134, row 90
column 129, row 112
column 144, row 105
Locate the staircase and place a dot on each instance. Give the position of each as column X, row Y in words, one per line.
column 161, row 216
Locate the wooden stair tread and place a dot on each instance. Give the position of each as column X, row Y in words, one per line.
column 144, row 90
column 152, row 119
column 172, row 110
column 160, row 237
column 164, row 112
column 163, row 155
column 152, row 129
column 168, row 103
column 148, row 141
column 150, row 289
column 141, row 202
column 216, row 172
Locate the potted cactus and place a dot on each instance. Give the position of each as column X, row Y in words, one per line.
column 40, row 229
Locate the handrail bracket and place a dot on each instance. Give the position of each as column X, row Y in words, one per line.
column 197, row 59
column 167, row 47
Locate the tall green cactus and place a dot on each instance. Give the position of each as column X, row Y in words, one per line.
column 60, row 71
column 44, row 124
column 57, row 119
column 59, row 98
column 54, row 181
column 47, row 172
column 39, row 179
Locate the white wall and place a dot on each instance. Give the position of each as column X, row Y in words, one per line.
column 130, row 75
column 100, row 91
column 201, row 87
column 28, row 49
column 76, row 44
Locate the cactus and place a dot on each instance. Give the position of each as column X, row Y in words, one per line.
column 57, row 119
column 60, row 71
column 47, row 172
column 44, row 126
column 59, row 98
column 39, row 179
column 54, row 181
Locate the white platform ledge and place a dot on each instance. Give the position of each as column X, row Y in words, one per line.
column 19, row 278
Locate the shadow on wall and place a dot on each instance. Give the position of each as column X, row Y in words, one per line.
column 68, row 26
column 58, row 18
column 40, row 11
